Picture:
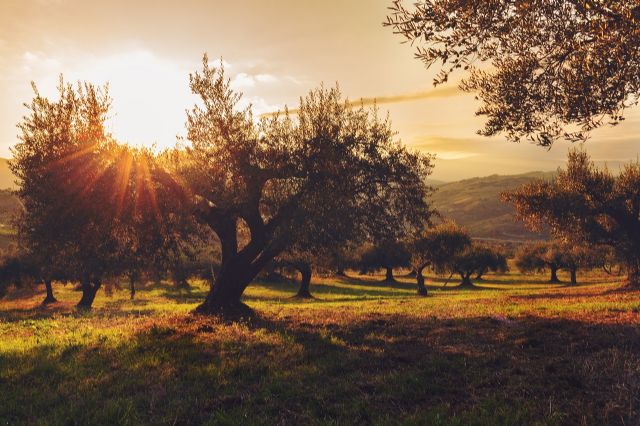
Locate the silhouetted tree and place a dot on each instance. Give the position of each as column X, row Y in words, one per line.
column 385, row 255
column 88, row 202
column 540, row 256
column 435, row 248
column 472, row 260
column 58, row 163
column 544, row 69
column 588, row 204
column 328, row 159
column 578, row 256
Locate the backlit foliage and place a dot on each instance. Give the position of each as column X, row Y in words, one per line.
column 544, row 69
column 584, row 203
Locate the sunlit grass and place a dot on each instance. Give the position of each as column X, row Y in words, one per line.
column 514, row 350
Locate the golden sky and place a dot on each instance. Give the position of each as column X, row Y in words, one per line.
column 274, row 51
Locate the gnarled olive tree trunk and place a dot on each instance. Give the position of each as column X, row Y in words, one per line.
column 305, row 280
column 389, row 278
column 89, row 290
column 238, row 268
column 422, row 289
column 554, row 274
column 466, row 280
column 633, row 275
column 50, row 297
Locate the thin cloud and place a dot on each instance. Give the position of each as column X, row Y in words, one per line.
column 444, row 92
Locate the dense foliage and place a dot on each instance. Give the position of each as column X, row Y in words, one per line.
column 290, row 172
column 544, row 69
column 584, row 203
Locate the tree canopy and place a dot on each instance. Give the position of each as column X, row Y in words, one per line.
column 584, row 203
column 435, row 247
column 279, row 173
column 92, row 207
column 543, row 69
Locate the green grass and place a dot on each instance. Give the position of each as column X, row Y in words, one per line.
column 514, row 351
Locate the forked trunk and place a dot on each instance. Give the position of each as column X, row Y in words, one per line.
column 89, row 291
column 305, row 281
column 480, row 274
column 389, row 275
column 224, row 296
column 422, row 289
column 50, row 298
column 238, row 268
column 554, row 275
column 466, row 281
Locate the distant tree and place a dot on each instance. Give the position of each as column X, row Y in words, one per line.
column 588, row 204
column 580, row 256
column 494, row 260
column 540, row 256
column 435, row 248
column 472, row 260
column 343, row 257
column 544, row 69
column 386, row 255
column 302, row 262
column 328, row 159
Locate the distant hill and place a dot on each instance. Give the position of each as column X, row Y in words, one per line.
column 475, row 204
column 7, row 179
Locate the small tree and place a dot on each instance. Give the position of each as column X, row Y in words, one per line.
column 474, row 259
column 540, row 256
column 494, row 260
column 578, row 255
column 386, row 255
column 435, row 247
column 587, row 204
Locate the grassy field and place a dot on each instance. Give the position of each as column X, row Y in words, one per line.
column 514, row 351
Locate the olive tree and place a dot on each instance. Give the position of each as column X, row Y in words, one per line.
column 474, row 259
column 387, row 255
column 543, row 69
column 540, row 256
column 58, row 163
column 435, row 247
column 588, row 204
column 274, row 174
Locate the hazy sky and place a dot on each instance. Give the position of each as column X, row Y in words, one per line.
column 275, row 51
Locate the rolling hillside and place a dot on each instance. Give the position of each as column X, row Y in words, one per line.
column 7, row 180
column 475, row 203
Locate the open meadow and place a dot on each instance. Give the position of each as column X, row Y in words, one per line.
column 515, row 350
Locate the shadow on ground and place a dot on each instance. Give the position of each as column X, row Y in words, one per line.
column 356, row 370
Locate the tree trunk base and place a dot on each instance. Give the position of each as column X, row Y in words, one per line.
column 228, row 310
column 303, row 295
column 466, row 284
column 49, row 300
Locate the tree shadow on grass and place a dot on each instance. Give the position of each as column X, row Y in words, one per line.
column 309, row 369
column 322, row 290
